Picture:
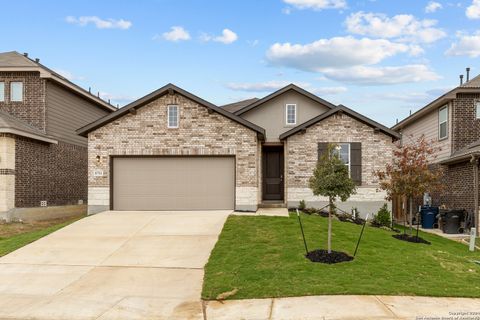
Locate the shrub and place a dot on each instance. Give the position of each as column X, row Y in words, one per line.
column 382, row 218
column 302, row 205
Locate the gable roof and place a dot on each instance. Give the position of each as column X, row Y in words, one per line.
column 12, row 125
column 281, row 91
column 169, row 88
column 235, row 106
column 350, row 112
column 471, row 86
column 15, row 62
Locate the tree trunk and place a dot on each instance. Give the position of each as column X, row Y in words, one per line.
column 410, row 209
column 329, row 236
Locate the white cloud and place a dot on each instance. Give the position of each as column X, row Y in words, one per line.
column 473, row 11
column 403, row 27
column 362, row 75
column 467, row 45
column 433, row 6
column 227, row 37
column 116, row 98
column 261, row 86
column 338, row 52
column 175, row 34
column 100, row 23
column 329, row 90
column 275, row 85
column 68, row 75
column 317, row 4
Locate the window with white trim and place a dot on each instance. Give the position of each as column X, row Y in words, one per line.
column 443, row 123
column 16, row 91
column 343, row 151
column 2, row 91
column 291, row 114
column 172, row 116
column 477, row 110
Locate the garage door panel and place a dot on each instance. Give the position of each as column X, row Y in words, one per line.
column 173, row 183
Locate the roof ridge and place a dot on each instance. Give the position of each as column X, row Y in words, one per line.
column 280, row 91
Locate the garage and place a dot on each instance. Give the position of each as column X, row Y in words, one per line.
column 173, row 183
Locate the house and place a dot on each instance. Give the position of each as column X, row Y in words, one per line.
column 452, row 123
column 172, row 150
column 43, row 162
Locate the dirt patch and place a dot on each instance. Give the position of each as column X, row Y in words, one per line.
column 409, row 238
column 323, row 256
column 14, row 228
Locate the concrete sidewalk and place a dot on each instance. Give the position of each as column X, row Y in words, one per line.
column 344, row 307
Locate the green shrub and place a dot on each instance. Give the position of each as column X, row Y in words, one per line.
column 382, row 218
column 302, row 205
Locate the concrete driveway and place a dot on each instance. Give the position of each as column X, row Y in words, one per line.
column 113, row 265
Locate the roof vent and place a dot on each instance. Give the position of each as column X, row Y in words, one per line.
column 461, row 79
column 25, row 54
column 37, row 60
column 468, row 74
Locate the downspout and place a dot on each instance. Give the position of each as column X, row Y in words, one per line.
column 475, row 161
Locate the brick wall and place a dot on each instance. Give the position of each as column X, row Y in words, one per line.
column 199, row 132
column 32, row 108
column 466, row 127
column 302, row 156
column 56, row 173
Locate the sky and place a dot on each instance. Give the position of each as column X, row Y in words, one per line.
column 382, row 58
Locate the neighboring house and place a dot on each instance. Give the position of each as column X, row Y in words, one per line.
column 43, row 162
column 172, row 150
column 452, row 122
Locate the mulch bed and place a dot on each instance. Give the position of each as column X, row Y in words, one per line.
column 348, row 218
column 409, row 238
column 323, row 256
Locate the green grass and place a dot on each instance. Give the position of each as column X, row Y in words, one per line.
column 264, row 257
column 12, row 243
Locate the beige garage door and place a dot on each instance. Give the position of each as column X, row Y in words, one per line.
column 173, row 183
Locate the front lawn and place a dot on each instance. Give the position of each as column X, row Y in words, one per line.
column 264, row 257
column 16, row 235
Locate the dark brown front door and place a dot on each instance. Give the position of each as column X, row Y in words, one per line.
column 273, row 173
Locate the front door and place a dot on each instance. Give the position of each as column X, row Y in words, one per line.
column 273, row 173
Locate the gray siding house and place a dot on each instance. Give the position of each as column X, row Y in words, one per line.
column 172, row 150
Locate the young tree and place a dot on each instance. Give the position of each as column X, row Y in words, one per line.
column 331, row 179
column 409, row 175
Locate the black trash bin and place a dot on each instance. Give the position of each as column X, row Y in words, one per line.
column 451, row 221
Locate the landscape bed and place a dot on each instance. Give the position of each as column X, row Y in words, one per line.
column 264, row 257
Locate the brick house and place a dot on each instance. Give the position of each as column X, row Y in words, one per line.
column 172, row 150
column 43, row 162
column 452, row 123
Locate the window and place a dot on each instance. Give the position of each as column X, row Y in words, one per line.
column 343, row 151
column 2, row 91
column 477, row 109
column 172, row 116
column 443, row 123
column 16, row 91
column 291, row 114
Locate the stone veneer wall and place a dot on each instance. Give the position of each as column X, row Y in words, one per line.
column 199, row 133
column 7, row 172
column 302, row 156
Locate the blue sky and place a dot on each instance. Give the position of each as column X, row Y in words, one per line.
column 382, row 58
